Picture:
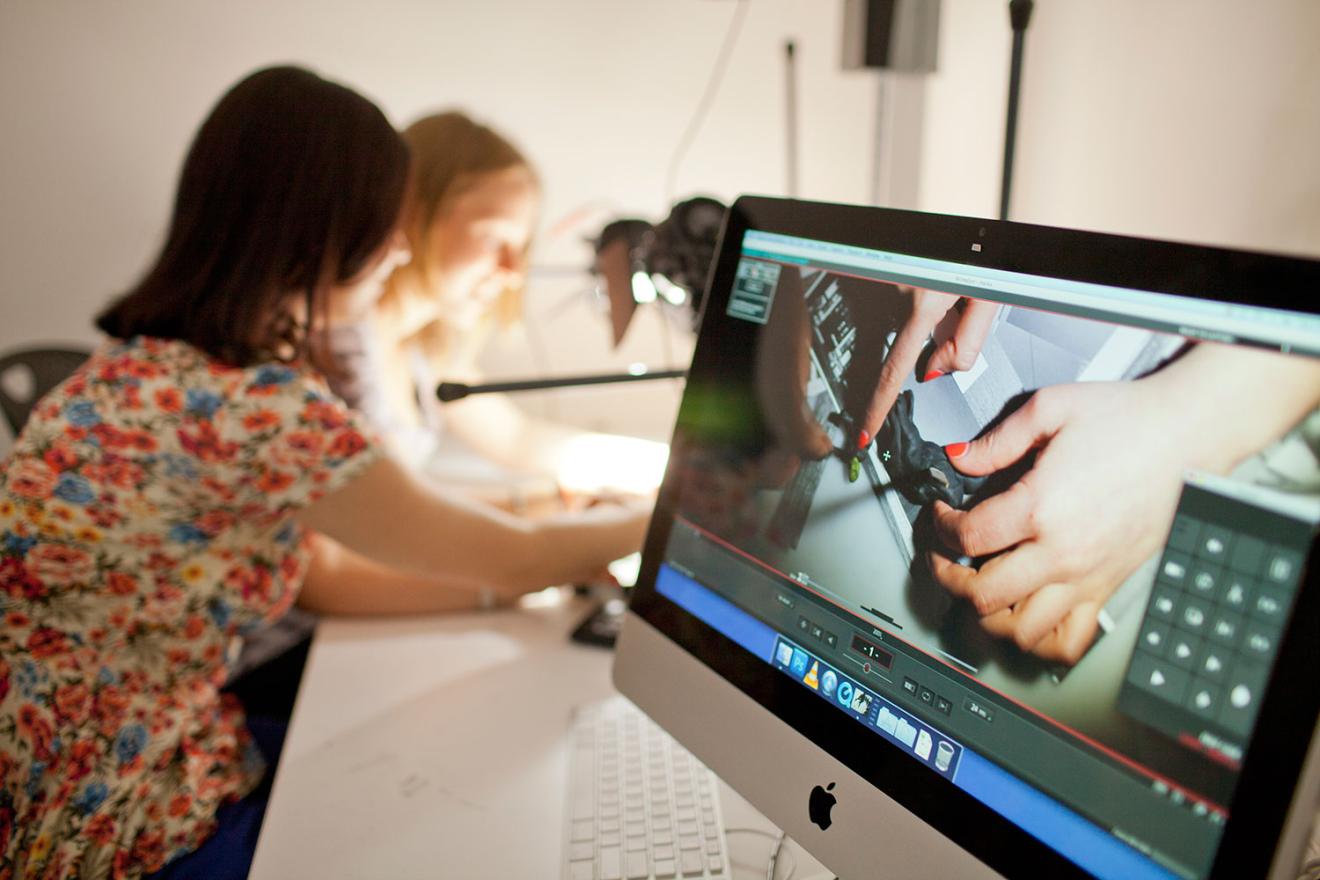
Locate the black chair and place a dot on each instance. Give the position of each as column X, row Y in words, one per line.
column 27, row 374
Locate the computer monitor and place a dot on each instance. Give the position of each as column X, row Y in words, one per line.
column 1052, row 613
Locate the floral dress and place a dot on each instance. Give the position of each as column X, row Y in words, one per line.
column 146, row 524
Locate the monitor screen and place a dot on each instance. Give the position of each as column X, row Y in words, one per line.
column 1039, row 536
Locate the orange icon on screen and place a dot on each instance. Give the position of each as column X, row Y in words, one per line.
column 812, row 681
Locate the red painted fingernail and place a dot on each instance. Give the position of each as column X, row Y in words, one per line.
column 932, row 374
column 956, row 450
column 863, row 439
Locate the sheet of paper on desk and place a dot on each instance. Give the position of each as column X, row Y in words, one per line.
column 391, row 669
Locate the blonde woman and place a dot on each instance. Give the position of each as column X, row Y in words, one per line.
column 473, row 205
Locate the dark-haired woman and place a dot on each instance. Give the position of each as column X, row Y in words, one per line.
column 155, row 507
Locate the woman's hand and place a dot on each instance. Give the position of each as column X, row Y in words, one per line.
column 1095, row 504
column 958, row 352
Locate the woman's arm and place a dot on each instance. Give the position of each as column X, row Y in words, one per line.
column 398, row 521
column 340, row 581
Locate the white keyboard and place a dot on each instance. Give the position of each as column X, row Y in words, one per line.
column 639, row 805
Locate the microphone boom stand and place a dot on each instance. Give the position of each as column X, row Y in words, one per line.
column 448, row 392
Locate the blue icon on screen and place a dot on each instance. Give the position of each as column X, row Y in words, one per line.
column 828, row 682
column 784, row 653
column 845, row 694
column 799, row 665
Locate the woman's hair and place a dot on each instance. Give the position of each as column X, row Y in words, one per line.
column 450, row 152
column 290, row 186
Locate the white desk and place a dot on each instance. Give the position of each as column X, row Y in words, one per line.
column 436, row 747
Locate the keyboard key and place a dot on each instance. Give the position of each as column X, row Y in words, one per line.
column 1184, row 533
column 1213, row 662
column 1175, row 567
column 1214, row 543
column 611, row 864
column 1206, row 581
column 1158, row 677
column 1194, row 616
column 583, row 830
column 1242, row 694
column 1260, row 640
column 581, row 871
column 1163, row 602
column 1153, row 636
column 580, row 851
column 1237, row 593
column 1225, row 628
column 1182, row 649
column 664, row 869
column 1246, row 555
column 691, row 862
column 1270, row 605
column 635, row 866
column 1282, row 566
column 1203, row 698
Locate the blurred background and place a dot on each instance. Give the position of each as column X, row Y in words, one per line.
column 1196, row 120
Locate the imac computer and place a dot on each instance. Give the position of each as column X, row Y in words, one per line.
column 986, row 549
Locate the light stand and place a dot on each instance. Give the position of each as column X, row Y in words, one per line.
column 1019, row 16
column 451, row 391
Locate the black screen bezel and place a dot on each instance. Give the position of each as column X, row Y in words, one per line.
column 1289, row 710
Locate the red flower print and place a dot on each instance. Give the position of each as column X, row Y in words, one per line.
column 32, row 479
column 179, row 804
column 305, row 442
column 73, row 702
column 4, row 682
column 169, row 400
column 149, row 850
column 142, row 369
column 110, row 436
column 55, row 563
column 260, row 420
column 121, row 583
column 194, row 627
column 80, row 757
column 109, row 706
column 38, row 730
column 101, row 829
column 273, row 481
column 219, row 488
column 18, row 581
column 60, row 457
column 206, row 444
column 213, row 522
column 329, row 415
column 142, row 441
column 47, row 642
column 346, row 444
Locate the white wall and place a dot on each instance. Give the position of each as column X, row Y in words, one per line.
column 1189, row 119
column 1185, row 119
column 99, row 100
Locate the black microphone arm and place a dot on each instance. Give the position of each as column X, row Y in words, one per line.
column 451, row 391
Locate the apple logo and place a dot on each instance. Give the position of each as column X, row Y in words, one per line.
column 820, row 804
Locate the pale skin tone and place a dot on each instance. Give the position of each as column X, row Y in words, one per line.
column 958, row 352
column 1101, row 494
column 387, row 543
column 477, row 244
